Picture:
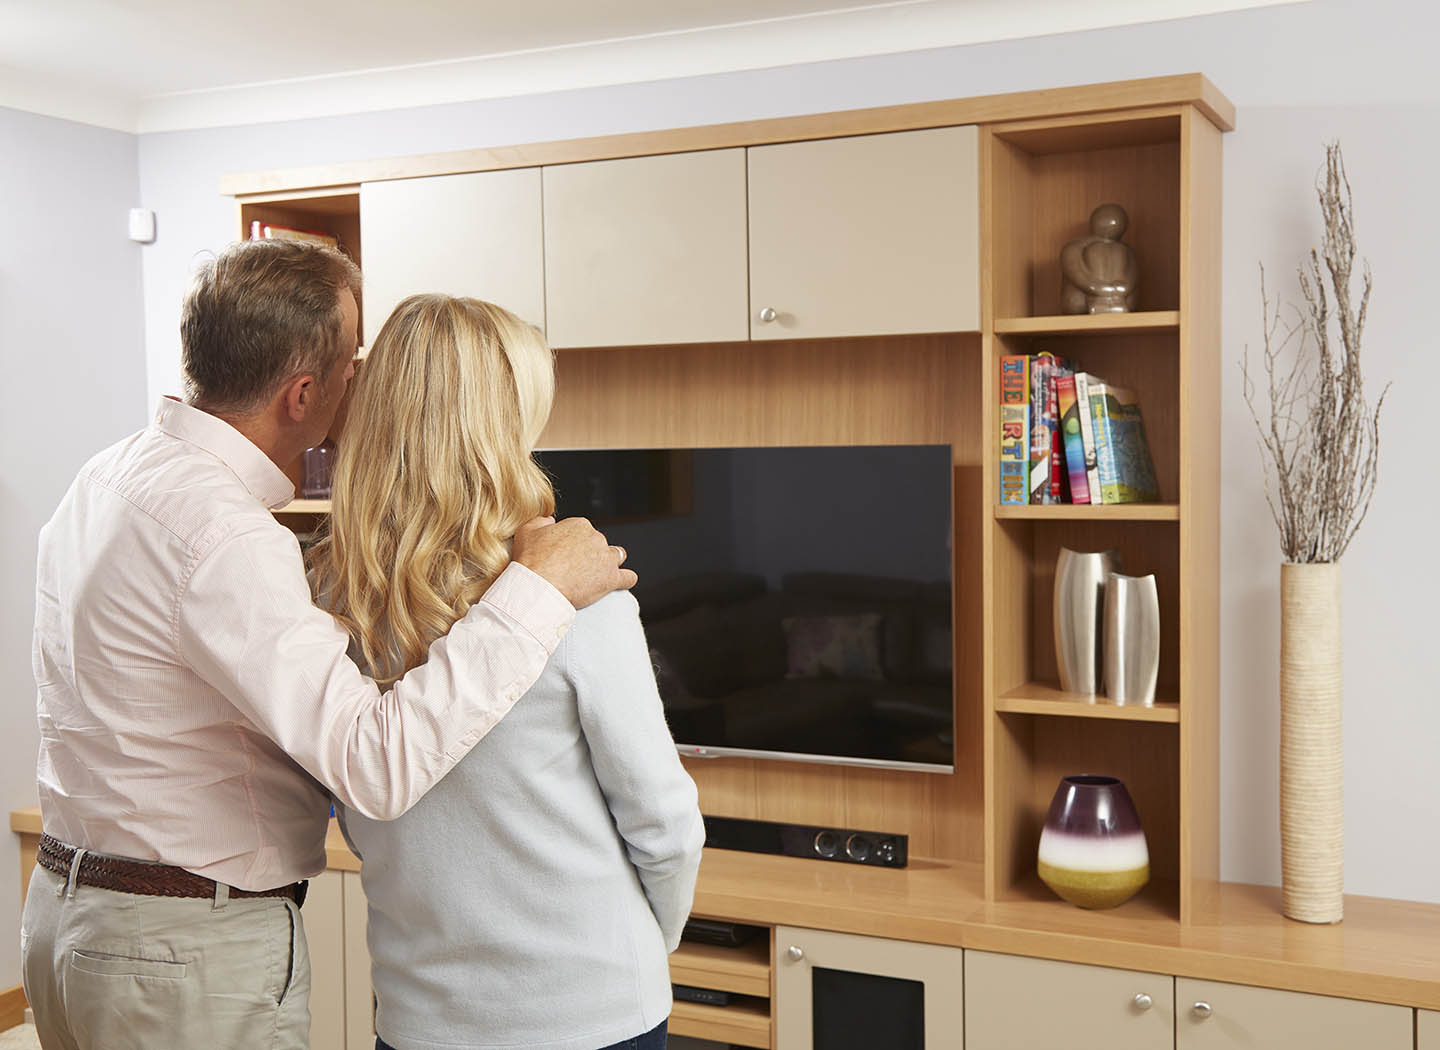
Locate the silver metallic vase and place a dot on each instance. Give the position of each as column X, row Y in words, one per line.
column 1132, row 638
column 1079, row 608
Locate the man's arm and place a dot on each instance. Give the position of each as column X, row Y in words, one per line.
column 246, row 625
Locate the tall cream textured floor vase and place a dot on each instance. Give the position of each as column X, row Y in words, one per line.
column 1312, row 788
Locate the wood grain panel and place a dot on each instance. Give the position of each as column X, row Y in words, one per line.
column 884, row 391
column 12, row 1007
column 1022, row 105
column 1198, row 439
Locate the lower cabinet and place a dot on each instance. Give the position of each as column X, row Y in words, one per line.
column 1215, row 1016
column 835, row 991
column 1427, row 1030
column 341, row 1003
column 1017, row 1003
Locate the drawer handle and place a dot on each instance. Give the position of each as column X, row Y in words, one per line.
column 1201, row 1010
column 1143, row 1002
column 795, row 952
column 767, row 314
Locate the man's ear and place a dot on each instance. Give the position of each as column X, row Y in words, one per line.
column 300, row 396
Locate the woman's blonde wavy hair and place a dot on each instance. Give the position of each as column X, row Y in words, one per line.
column 434, row 474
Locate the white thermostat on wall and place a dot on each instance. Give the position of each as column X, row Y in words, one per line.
column 142, row 225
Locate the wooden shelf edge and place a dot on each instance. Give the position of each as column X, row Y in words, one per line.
column 1087, row 512
column 744, row 970
column 1096, row 324
column 1048, row 702
column 304, row 506
column 744, row 1024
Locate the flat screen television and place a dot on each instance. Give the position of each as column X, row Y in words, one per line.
column 797, row 601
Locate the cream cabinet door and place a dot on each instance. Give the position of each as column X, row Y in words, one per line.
column 1015, row 1003
column 359, row 995
column 873, row 235
column 868, row 991
column 477, row 235
column 647, row 250
column 1215, row 1016
column 323, row 916
column 1427, row 1030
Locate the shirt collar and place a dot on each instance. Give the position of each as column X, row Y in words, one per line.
column 257, row 471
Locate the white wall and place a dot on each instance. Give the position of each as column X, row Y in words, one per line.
column 71, row 352
column 1300, row 75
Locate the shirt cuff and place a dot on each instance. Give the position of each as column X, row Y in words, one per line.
column 532, row 601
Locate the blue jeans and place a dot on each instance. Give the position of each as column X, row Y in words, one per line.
column 651, row 1040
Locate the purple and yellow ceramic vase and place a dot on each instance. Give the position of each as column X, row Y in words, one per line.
column 1092, row 851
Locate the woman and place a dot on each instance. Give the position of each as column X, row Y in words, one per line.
column 530, row 899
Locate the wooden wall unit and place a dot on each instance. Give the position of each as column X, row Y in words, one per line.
column 1045, row 160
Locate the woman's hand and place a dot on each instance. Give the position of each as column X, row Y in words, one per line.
column 574, row 557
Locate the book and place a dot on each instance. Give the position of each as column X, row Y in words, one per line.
column 267, row 231
column 1014, row 429
column 1044, row 427
column 1127, row 473
column 1084, row 383
column 1104, row 461
column 1070, row 431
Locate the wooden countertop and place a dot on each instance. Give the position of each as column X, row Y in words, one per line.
column 1385, row 950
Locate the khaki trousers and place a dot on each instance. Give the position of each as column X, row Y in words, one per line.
column 105, row 970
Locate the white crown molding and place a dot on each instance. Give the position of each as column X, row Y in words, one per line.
column 52, row 97
column 883, row 28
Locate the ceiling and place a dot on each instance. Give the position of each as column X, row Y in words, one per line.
column 148, row 65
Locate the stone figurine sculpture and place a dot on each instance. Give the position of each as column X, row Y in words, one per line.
column 1099, row 273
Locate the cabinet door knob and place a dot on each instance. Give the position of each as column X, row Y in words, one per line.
column 1201, row 1010
column 795, row 952
column 767, row 314
column 1143, row 1001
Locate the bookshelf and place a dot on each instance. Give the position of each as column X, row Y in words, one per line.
column 1043, row 177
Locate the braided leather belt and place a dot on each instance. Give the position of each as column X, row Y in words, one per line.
column 152, row 880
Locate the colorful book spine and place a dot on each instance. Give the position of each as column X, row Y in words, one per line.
column 1074, row 446
column 1084, row 384
column 1014, row 429
column 1133, row 478
column 1100, row 427
column 1059, row 482
column 1044, row 427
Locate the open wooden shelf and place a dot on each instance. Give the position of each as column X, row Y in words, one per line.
column 1035, row 698
column 1089, row 512
column 744, row 1022
column 1090, row 324
column 744, row 970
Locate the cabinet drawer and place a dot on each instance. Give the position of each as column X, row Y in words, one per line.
column 1016, row 1003
column 1215, row 1016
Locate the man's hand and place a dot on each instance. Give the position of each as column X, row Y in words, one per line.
column 573, row 557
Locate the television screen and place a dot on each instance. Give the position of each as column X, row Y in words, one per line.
column 797, row 601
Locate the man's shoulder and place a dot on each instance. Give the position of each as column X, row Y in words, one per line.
column 180, row 488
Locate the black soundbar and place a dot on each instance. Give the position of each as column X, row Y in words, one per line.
column 849, row 845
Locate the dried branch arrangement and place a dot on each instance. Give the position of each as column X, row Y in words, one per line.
column 1321, row 437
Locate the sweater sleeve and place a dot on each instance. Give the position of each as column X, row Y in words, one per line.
column 652, row 798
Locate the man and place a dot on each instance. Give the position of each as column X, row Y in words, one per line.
column 189, row 691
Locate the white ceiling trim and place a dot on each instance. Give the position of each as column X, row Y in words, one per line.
column 886, row 28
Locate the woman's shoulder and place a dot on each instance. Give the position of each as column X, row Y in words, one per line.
column 603, row 625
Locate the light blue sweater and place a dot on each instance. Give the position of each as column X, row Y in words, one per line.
column 530, row 898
